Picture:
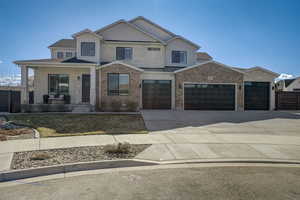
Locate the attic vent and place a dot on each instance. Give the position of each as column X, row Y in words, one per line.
column 153, row 49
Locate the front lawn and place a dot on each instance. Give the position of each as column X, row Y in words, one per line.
column 54, row 125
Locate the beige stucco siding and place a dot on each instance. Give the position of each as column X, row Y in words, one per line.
column 209, row 73
column 141, row 56
column 41, row 82
column 134, row 86
column 123, row 31
column 54, row 51
column 87, row 37
column 180, row 45
column 262, row 76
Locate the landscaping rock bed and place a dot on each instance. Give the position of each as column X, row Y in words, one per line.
column 33, row 159
column 12, row 131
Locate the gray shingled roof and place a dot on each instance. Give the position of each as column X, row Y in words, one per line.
column 67, row 43
column 164, row 69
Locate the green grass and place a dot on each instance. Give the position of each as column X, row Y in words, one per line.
column 55, row 125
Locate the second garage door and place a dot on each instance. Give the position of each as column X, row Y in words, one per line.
column 156, row 94
column 257, row 95
column 209, row 97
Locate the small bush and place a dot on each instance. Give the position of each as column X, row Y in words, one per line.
column 116, row 105
column 120, row 148
column 40, row 156
column 132, row 106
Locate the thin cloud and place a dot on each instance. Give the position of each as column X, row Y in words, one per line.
column 1, row 61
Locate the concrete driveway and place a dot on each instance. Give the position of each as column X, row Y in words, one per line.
column 223, row 122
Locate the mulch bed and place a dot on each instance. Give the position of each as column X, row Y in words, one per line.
column 33, row 159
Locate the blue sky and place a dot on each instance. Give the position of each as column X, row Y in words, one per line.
column 239, row 33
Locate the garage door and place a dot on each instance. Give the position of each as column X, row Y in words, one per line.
column 257, row 95
column 4, row 101
column 156, row 94
column 209, row 97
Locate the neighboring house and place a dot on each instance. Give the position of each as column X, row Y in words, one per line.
column 138, row 62
column 289, row 85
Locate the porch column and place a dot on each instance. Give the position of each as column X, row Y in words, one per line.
column 93, row 86
column 24, row 84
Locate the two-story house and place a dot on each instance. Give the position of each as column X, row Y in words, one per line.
column 138, row 63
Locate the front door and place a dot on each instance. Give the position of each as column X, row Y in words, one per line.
column 86, row 88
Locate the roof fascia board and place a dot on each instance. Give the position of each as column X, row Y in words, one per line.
column 120, row 63
column 87, row 31
column 210, row 61
column 152, row 23
column 263, row 69
column 184, row 39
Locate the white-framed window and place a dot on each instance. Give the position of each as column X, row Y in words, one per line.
column 88, row 48
column 69, row 54
column 179, row 57
column 60, row 54
column 118, row 84
column 123, row 53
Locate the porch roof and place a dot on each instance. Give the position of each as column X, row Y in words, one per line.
column 51, row 61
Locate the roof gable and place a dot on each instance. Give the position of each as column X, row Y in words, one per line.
column 210, row 61
column 122, row 30
column 152, row 28
column 86, row 31
column 178, row 37
column 263, row 69
column 64, row 43
column 121, row 63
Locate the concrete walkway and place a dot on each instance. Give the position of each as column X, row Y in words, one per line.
column 168, row 147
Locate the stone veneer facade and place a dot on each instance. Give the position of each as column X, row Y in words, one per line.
column 134, row 86
column 209, row 73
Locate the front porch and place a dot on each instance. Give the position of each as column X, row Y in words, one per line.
column 60, row 87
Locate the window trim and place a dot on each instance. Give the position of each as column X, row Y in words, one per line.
column 182, row 63
column 118, row 94
column 58, row 83
column 69, row 52
column 94, row 50
column 124, row 53
column 60, row 52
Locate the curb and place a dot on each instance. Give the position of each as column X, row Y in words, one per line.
column 72, row 167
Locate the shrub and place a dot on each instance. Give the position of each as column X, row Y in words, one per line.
column 132, row 106
column 116, row 105
column 120, row 148
column 40, row 156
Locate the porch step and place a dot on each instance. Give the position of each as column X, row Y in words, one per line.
column 82, row 108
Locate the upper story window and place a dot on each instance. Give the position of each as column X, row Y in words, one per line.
column 153, row 49
column 69, row 54
column 118, row 84
column 179, row 57
column 88, row 48
column 60, row 54
column 123, row 53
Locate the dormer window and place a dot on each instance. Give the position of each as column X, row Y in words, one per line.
column 88, row 48
column 179, row 57
column 60, row 54
column 123, row 53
